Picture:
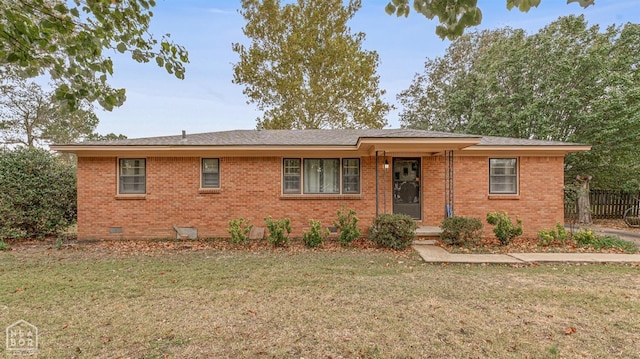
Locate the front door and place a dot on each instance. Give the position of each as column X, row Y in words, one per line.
column 406, row 187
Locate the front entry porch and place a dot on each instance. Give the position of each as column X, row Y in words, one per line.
column 428, row 232
column 406, row 187
column 419, row 185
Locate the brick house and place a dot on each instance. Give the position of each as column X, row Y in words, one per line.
column 140, row 188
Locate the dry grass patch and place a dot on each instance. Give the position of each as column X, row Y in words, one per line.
column 314, row 304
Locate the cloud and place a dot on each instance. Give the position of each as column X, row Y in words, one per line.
column 214, row 10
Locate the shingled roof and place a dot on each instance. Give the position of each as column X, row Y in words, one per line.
column 310, row 138
column 510, row 141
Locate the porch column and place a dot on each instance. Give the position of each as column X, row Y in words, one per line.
column 448, row 184
column 377, row 212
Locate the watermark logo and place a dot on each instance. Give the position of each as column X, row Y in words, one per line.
column 22, row 338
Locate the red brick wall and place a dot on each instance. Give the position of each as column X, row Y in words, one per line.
column 539, row 203
column 251, row 188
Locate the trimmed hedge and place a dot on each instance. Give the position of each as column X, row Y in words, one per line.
column 396, row 231
column 504, row 228
column 37, row 194
column 460, row 230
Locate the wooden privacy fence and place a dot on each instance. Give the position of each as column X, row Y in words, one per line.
column 605, row 203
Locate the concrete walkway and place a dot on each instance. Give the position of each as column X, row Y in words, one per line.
column 433, row 254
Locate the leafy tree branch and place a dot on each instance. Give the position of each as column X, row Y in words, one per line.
column 455, row 16
column 66, row 40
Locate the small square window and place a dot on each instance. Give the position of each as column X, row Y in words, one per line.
column 210, row 173
column 503, row 176
column 132, row 176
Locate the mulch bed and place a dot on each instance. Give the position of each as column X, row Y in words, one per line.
column 163, row 246
column 490, row 244
column 520, row 245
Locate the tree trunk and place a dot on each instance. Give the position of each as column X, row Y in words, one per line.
column 584, row 205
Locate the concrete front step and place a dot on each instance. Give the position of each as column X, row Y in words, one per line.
column 424, row 241
column 428, row 233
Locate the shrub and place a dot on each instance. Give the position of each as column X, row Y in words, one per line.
column 395, row 231
column 4, row 246
column 347, row 224
column 615, row 243
column 584, row 237
column 315, row 236
column 546, row 237
column 239, row 229
column 504, row 228
column 37, row 193
column 587, row 238
column 456, row 230
column 277, row 229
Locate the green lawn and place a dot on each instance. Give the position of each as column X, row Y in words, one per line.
column 99, row 303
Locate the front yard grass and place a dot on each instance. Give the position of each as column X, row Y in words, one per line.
column 181, row 303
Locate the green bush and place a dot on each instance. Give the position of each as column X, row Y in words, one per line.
column 315, row 236
column 546, row 237
column 504, row 228
column 277, row 229
column 4, row 246
column 458, row 230
column 37, row 193
column 614, row 242
column 395, row 231
column 347, row 224
column 584, row 237
column 587, row 238
column 239, row 229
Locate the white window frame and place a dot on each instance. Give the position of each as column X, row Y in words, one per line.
column 121, row 175
column 493, row 177
column 203, row 173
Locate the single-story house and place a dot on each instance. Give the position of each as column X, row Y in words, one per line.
column 141, row 188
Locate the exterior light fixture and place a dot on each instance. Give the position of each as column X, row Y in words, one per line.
column 386, row 165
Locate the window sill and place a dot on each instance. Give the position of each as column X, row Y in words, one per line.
column 210, row 190
column 130, row 196
column 504, row 196
column 321, row 196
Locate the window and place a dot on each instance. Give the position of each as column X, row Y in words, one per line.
column 503, row 176
column 351, row 175
column 210, row 173
column 132, row 178
column 321, row 176
column 291, row 173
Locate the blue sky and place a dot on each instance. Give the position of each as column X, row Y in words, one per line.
column 206, row 100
